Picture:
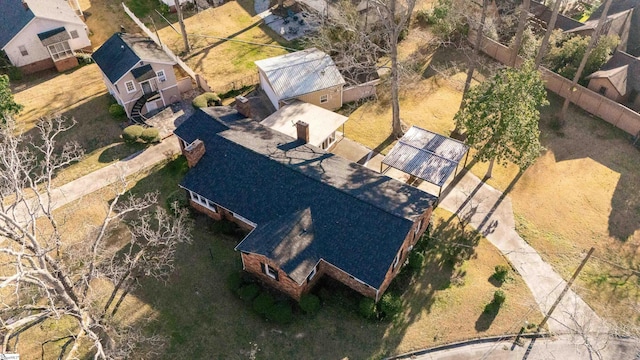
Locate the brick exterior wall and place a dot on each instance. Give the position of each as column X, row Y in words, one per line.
column 66, row 64
column 253, row 263
column 348, row 280
column 37, row 66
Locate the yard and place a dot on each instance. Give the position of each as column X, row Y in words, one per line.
column 582, row 191
column 201, row 318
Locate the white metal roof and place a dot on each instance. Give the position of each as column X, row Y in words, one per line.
column 54, row 9
column 322, row 122
column 300, row 73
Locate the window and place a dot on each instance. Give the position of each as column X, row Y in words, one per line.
column 396, row 261
column 117, row 90
column 201, row 200
column 269, row 271
column 23, row 50
column 603, row 90
column 324, row 98
column 328, row 141
column 130, row 86
column 74, row 34
column 313, row 273
column 60, row 50
column 161, row 76
column 417, row 229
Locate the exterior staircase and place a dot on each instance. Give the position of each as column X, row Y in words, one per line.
column 136, row 114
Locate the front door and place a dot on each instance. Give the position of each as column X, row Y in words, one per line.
column 146, row 87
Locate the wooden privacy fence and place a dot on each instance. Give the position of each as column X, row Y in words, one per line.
column 608, row 110
column 237, row 84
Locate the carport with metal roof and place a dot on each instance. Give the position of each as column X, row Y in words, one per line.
column 426, row 155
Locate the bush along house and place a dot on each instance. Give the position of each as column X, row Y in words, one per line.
column 310, row 213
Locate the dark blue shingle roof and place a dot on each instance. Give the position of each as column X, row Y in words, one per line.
column 115, row 58
column 13, row 18
column 307, row 204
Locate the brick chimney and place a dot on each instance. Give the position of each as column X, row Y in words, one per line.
column 194, row 152
column 302, row 129
column 243, row 107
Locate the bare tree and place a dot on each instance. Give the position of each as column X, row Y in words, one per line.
column 360, row 43
column 522, row 22
column 547, row 35
column 43, row 276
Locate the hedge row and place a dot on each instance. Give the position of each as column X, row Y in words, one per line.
column 136, row 133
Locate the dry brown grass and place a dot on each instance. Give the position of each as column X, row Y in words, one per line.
column 222, row 62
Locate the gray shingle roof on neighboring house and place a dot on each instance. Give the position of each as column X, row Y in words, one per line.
column 543, row 13
column 308, row 204
column 633, row 29
column 121, row 52
column 300, row 73
column 622, row 70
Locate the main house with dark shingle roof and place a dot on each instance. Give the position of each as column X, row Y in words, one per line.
column 138, row 73
column 618, row 79
column 311, row 213
column 41, row 34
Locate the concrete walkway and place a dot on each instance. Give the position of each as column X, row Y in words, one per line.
column 491, row 213
column 108, row 175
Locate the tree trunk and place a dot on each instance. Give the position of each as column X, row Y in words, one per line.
column 522, row 22
column 183, row 30
column 490, row 169
column 545, row 40
column 592, row 44
column 395, row 93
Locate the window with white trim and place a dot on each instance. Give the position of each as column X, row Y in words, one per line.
column 60, row 50
column 324, row 98
column 74, row 34
column 130, row 86
column 328, row 141
column 269, row 271
column 201, row 200
column 396, row 261
column 417, row 229
column 23, row 50
column 161, row 76
column 312, row 274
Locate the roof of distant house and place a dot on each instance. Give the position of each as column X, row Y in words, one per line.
column 300, row 73
column 308, row 204
column 622, row 70
column 122, row 51
column 15, row 15
column 618, row 7
column 543, row 13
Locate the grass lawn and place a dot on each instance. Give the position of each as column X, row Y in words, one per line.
column 96, row 131
column 582, row 191
column 201, row 318
column 222, row 62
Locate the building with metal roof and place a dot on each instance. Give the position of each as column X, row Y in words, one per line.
column 309, row 75
column 426, row 155
column 311, row 213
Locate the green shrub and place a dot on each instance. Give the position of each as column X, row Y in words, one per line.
column 130, row 134
column 14, row 73
column 280, row 313
column 177, row 200
column 501, row 272
column 150, row 135
column 367, row 308
column 310, row 304
column 499, row 297
column 248, row 292
column 117, row 111
column 234, row 281
column 416, row 259
column 390, row 305
column 423, row 17
column 262, row 303
column 206, row 99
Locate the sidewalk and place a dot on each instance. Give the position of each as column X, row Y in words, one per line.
column 491, row 213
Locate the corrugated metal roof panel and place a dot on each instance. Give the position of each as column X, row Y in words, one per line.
column 301, row 72
column 426, row 155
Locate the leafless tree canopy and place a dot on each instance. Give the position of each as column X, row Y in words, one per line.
column 45, row 276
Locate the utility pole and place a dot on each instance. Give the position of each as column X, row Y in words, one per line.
column 183, row 30
column 566, row 288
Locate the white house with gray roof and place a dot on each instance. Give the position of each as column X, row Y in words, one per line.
column 41, row 34
column 309, row 75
